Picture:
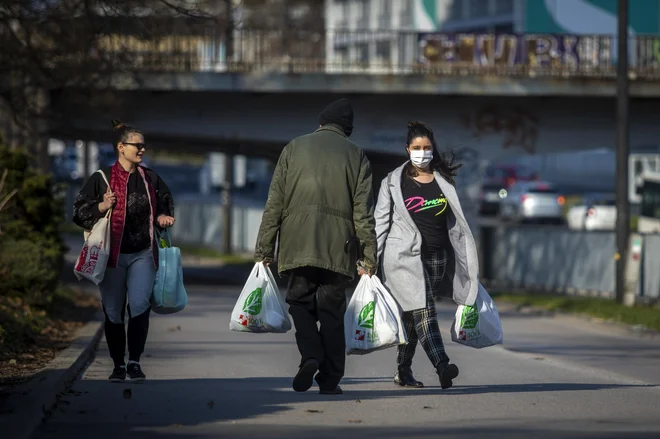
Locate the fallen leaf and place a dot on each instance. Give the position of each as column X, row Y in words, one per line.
column 211, row 404
column 314, row 411
column 358, row 401
column 128, row 393
column 12, row 361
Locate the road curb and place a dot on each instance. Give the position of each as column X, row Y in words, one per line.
column 42, row 394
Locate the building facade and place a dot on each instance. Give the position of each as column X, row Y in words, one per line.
column 382, row 35
column 425, row 15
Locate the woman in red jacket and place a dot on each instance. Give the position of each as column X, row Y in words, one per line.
column 140, row 201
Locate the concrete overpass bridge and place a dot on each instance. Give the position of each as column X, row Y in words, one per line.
column 486, row 96
column 497, row 94
column 260, row 124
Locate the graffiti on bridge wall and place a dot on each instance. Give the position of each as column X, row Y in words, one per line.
column 519, row 127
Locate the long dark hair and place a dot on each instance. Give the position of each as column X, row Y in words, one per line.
column 122, row 133
column 446, row 167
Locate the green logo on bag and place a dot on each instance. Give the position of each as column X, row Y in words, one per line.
column 366, row 316
column 469, row 318
column 365, row 322
column 253, row 302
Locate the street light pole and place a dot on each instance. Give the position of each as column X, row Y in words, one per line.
column 227, row 205
column 622, row 150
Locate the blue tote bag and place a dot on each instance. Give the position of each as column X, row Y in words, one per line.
column 169, row 295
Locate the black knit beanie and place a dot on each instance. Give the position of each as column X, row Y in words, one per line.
column 339, row 112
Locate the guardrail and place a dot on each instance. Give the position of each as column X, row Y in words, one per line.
column 382, row 52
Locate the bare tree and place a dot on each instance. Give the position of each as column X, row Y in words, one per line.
column 47, row 46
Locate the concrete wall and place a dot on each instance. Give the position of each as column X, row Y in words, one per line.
column 561, row 260
column 651, row 262
column 201, row 223
column 553, row 259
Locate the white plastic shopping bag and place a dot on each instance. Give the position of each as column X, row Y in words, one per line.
column 260, row 307
column 373, row 319
column 478, row 326
column 93, row 258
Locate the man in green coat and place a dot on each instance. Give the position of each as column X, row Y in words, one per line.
column 320, row 197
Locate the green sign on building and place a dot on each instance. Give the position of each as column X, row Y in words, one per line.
column 596, row 17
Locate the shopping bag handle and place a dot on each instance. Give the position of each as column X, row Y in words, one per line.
column 380, row 288
column 166, row 234
column 261, row 270
column 108, row 214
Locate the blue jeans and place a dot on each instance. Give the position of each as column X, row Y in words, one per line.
column 130, row 283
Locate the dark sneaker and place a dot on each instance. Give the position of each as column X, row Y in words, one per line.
column 336, row 391
column 447, row 373
column 305, row 376
column 118, row 375
column 404, row 378
column 135, row 373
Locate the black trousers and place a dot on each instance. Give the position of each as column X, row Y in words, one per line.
column 318, row 295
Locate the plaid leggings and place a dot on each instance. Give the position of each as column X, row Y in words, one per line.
column 422, row 324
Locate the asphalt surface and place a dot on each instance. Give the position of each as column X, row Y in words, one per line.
column 553, row 378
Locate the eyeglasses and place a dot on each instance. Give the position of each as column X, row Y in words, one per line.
column 139, row 146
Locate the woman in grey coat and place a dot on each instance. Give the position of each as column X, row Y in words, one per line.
column 420, row 225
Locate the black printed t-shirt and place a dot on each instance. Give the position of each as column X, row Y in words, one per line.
column 428, row 208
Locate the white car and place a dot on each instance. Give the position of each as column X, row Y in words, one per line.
column 594, row 213
column 529, row 201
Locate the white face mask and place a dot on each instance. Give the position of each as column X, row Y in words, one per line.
column 421, row 158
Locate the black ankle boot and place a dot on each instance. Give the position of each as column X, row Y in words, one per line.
column 404, row 378
column 447, row 372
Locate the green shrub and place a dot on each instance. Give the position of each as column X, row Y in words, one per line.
column 27, row 270
column 31, row 248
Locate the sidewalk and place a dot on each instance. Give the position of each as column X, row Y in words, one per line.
column 208, row 382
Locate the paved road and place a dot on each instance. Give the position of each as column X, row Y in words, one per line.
column 550, row 380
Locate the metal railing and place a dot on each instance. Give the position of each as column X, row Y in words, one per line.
column 354, row 52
